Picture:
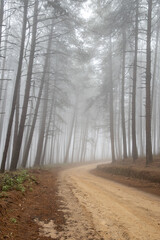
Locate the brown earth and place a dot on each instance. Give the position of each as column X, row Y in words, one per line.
column 102, row 209
column 73, row 204
column 42, row 204
column 135, row 175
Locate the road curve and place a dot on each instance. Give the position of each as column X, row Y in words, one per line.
column 112, row 211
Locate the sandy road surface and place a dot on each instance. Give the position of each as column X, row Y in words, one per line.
column 97, row 208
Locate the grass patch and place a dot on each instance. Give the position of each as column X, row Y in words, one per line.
column 13, row 220
column 19, row 181
column 3, row 195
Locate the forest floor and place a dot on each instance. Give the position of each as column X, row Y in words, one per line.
column 20, row 211
column 74, row 204
column 136, row 174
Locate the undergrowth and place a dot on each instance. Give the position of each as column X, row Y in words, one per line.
column 19, row 181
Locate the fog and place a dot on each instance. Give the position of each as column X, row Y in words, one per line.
column 79, row 81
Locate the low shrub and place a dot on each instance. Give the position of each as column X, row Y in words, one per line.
column 15, row 181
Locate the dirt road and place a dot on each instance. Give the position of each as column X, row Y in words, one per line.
column 101, row 209
column 73, row 204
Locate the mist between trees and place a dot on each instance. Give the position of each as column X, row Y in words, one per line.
column 79, row 81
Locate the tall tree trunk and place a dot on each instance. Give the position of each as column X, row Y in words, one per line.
column 74, row 140
column 154, row 134
column 111, row 106
column 16, row 118
column 17, row 83
column 57, row 151
column 122, row 97
column 134, row 141
column 51, row 110
column 70, row 136
column 3, row 85
column 95, row 145
column 1, row 21
column 25, row 156
column 42, row 126
column 141, row 130
column 80, row 143
column 16, row 151
column 154, row 93
column 54, row 137
column 84, row 141
column 52, row 153
column 118, row 128
column 129, row 125
column 155, row 63
column 149, row 157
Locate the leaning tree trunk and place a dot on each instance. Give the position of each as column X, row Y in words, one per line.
column 16, row 151
column 18, row 77
column 149, row 157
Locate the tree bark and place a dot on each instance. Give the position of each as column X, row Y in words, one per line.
column 111, row 106
column 134, row 141
column 17, row 83
column 122, row 97
column 155, row 63
column 25, row 156
column 70, row 136
column 1, row 20
column 16, row 151
column 42, row 126
column 149, row 157
column 51, row 111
